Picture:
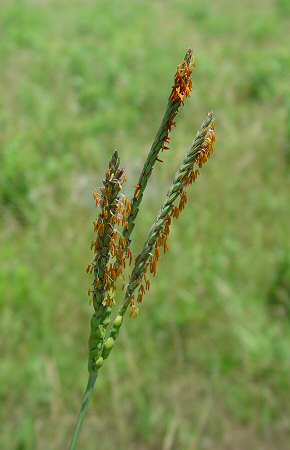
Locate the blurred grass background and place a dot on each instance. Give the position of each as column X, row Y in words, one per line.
column 206, row 365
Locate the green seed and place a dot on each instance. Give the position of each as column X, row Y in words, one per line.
column 108, row 347
column 99, row 362
column 109, row 344
column 118, row 321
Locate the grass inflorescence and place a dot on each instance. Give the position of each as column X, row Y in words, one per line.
column 115, row 223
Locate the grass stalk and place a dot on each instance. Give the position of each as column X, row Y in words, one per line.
column 83, row 410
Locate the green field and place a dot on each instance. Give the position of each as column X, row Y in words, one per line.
column 206, row 366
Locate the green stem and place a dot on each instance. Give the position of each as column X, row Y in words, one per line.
column 84, row 407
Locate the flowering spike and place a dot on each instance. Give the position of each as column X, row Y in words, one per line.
column 105, row 244
column 182, row 83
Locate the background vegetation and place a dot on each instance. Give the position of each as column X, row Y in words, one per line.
column 206, row 365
